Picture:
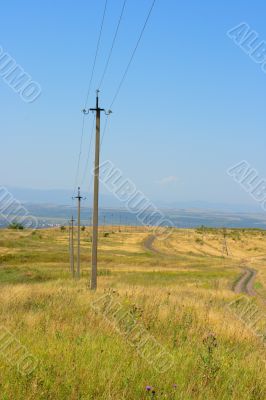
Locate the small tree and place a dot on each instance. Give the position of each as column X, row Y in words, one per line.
column 63, row 228
column 83, row 228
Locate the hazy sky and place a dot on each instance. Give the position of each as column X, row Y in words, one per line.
column 193, row 103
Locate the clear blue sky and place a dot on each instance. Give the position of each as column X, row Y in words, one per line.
column 192, row 105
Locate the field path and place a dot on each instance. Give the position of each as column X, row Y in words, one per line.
column 148, row 244
column 246, row 282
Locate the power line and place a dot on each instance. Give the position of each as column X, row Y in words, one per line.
column 96, row 53
column 88, row 93
column 133, row 54
column 131, row 58
column 106, row 66
column 113, row 43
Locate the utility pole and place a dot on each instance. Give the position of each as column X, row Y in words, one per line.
column 94, row 254
column 71, row 246
column 69, row 242
column 78, row 197
column 225, row 246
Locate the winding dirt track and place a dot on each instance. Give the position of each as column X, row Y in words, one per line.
column 245, row 283
column 148, row 244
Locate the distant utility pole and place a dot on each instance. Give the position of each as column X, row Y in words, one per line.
column 69, row 242
column 94, row 254
column 79, row 198
column 225, row 246
column 71, row 246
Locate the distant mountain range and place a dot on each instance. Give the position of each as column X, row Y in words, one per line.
column 55, row 207
column 51, row 215
column 64, row 197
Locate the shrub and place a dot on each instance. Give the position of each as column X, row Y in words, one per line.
column 16, row 225
column 199, row 241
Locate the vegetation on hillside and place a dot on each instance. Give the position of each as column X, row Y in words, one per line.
column 178, row 294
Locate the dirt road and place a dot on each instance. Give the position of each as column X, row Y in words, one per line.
column 148, row 243
column 246, row 282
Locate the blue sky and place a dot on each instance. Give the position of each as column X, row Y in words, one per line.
column 193, row 103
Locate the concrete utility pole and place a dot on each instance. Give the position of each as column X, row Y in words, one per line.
column 78, row 197
column 71, row 246
column 94, row 254
column 104, row 218
column 225, row 246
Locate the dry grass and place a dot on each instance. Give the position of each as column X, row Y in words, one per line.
column 180, row 297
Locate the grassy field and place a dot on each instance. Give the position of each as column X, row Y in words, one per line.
column 178, row 292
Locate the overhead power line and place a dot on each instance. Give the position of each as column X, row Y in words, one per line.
column 130, row 61
column 88, row 93
column 112, row 45
column 133, row 54
column 104, row 73
column 96, row 53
